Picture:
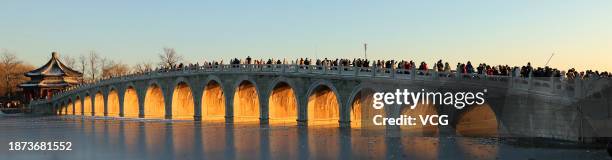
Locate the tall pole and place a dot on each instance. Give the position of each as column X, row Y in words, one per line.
column 365, row 50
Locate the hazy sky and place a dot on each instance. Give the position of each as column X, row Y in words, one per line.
column 497, row 32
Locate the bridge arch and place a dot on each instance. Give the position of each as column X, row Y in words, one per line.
column 98, row 104
column 246, row 105
column 154, row 104
column 70, row 108
column 477, row 121
column 323, row 103
column 78, row 106
column 112, row 103
column 57, row 108
column 283, row 101
column 361, row 100
column 87, row 104
column 421, row 109
column 182, row 100
column 213, row 100
column 130, row 102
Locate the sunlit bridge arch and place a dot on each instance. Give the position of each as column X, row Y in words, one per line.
column 246, row 101
column 70, row 108
column 130, row 102
column 78, row 106
column 361, row 101
column 421, row 110
column 283, row 103
column 64, row 109
column 213, row 101
column 98, row 104
column 323, row 104
column 112, row 102
column 182, row 101
column 477, row 121
column 154, row 105
column 87, row 105
column 57, row 108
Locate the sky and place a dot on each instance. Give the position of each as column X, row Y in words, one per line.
column 491, row 31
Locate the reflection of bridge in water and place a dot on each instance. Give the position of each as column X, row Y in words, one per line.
column 310, row 95
column 105, row 138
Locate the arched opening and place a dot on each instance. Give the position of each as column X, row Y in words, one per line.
column 130, row 103
column 64, row 109
column 99, row 104
column 421, row 110
column 477, row 121
column 154, row 103
column 70, row 108
column 58, row 109
column 78, row 106
column 282, row 104
column 182, row 102
column 246, row 102
column 323, row 107
column 361, row 108
column 213, row 102
column 87, row 105
column 113, row 104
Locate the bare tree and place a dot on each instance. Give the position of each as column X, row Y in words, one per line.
column 8, row 61
column 93, row 64
column 68, row 61
column 170, row 58
column 104, row 63
column 82, row 63
column 143, row 67
column 11, row 72
column 115, row 69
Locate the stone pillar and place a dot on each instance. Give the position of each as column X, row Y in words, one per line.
column 197, row 102
column 229, row 106
column 121, row 95
column 303, row 110
column 141, row 102
column 264, row 92
column 105, row 99
column 169, row 92
column 344, row 90
column 93, row 105
column 345, row 114
column 264, row 109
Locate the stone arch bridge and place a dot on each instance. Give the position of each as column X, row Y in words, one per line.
column 313, row 95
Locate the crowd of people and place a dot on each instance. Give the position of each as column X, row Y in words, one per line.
column 406, row 66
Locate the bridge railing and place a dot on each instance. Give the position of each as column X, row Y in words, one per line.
column 552, row 84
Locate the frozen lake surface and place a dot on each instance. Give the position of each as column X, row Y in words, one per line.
column 165, row 139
